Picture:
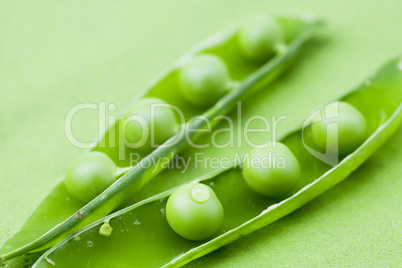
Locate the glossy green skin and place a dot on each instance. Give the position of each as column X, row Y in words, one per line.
column 275, row 171
column 340, row 130
column 157, row 127
column 259, row 39
column 90, row 175
column 203, row 80
column 192, row 219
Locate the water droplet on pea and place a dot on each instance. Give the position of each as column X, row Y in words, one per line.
column 199, row 193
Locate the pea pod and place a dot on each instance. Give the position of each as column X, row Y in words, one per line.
column 142, row 237
column 61, row 214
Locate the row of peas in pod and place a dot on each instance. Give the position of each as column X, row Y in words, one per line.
column 194, row 211
column 202, row 81
column 221, row 206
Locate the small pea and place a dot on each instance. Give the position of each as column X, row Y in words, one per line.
column 106, row 229
column 340, row 128
column 259, row 38
column 203, row 80
column 194, row 212
column 149, row 123
column 90, row 175
column 272, row 171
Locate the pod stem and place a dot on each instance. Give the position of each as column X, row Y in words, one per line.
column 141, row 173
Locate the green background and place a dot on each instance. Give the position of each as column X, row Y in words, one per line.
column 54, row 55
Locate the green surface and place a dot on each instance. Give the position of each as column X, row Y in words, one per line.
column 54, row 55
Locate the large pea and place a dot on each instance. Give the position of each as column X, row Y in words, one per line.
column 203, row 80
column 149, row 123
column 90, row 175
column 259, row 38
column 194, row 211
column 339, row 128
column 272, row 171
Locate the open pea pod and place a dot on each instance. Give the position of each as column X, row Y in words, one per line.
column 142, row 237
column 60, row 214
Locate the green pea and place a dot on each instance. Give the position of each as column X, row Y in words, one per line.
column 149, row 123
column 194, row 212
column 90, row 175
column 272, row 171
column 339, row 128
column 203, row 80
column 106, row 229
column 259, row 38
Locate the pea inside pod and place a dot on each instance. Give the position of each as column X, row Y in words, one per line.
column 194, row 211
column 90, row 175
column 260, row 38
column 339, row 128
column 148, row 123
column 203, row 80
column 272, row 171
